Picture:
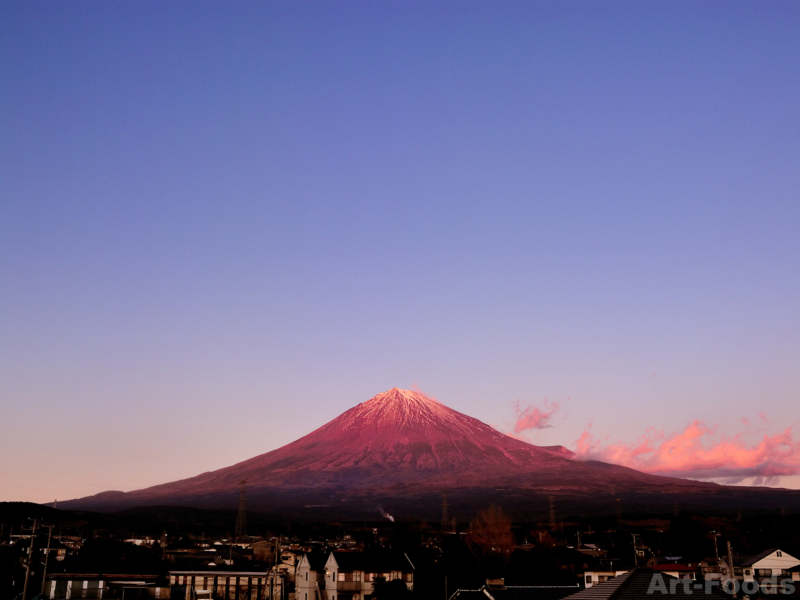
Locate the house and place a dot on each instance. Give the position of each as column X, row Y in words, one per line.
column 53, row 547
column 145, row 541
column 288, row 563
column 495, row 589
column 711, row 569
column 770, row 563
column 686, row 571
column 768, row 569
column 309, row 578
column 600, row 575
column 352, row 575
column 591, row 550
column 96, row 586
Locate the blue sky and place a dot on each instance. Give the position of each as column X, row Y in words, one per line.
column 222, row 224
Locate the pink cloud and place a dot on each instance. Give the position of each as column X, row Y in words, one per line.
column 698, row 452
column 533, row 417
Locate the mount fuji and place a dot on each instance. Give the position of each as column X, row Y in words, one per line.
column 403, row 450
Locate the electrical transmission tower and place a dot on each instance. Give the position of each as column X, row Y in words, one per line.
column 445, row 516
column 241, row 518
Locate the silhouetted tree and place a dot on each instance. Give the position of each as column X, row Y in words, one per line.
column 490, row 533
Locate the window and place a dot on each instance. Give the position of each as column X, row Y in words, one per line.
column 588, row 579
column 306, row 578
column 780, row 554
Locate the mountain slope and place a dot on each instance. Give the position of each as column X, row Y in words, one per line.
column 402, row 444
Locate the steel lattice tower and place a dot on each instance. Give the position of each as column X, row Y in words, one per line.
column 241, row 518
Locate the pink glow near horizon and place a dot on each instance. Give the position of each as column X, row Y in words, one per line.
column 698, row 452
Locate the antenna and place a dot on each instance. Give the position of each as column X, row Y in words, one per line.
column 46, row 556
column 30, row 559
column 241, row 518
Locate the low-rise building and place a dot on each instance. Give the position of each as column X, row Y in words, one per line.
column 226, row 585
column 309, row 578
column 100, row 586
column 352, row 575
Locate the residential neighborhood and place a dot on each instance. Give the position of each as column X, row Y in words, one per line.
column 384, row 561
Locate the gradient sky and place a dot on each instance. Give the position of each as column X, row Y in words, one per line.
column 223, row 224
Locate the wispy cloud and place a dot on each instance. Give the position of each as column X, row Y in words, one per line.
column 700, row 452
column 534, row 417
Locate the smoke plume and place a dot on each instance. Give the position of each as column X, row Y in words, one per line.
column 386, row 515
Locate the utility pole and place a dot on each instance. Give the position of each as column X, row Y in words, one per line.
column 731, row 571
column 635, row 553
column 46, row 556
column 241, row 518
column 552, row 514
column 274, row 573
column 30, row 560
column 716, row 549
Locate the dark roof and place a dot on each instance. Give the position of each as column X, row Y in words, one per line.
column 317, row 560
column 602, row 591
column 634, row 585
column 127, row 576
column 754, row 559
column 372, row 562
column 517, row 592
